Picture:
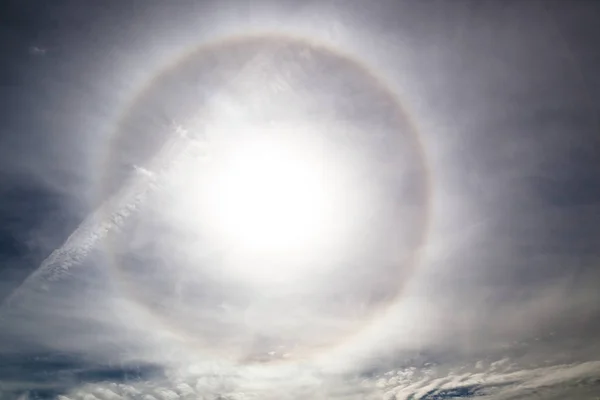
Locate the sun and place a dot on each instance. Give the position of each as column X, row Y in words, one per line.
column 269, row 197
column 277, row 203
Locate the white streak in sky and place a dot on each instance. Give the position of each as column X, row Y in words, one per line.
column 107, row 218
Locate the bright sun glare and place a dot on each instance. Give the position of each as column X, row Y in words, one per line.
column 276, row 203
column 268, row 197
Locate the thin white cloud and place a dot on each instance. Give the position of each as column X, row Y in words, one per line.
column 107, row 218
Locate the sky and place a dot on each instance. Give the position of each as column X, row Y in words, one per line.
column 162, row 238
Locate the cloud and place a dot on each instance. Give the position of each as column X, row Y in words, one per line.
column 426, row 383
column 506, row 383
column 109, row 217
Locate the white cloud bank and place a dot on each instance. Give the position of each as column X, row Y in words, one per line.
column 500, row 380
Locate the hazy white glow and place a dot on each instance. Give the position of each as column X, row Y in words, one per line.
column 280, row 205
column 267, row 197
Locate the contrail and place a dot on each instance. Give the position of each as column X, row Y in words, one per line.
column 109, row 217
